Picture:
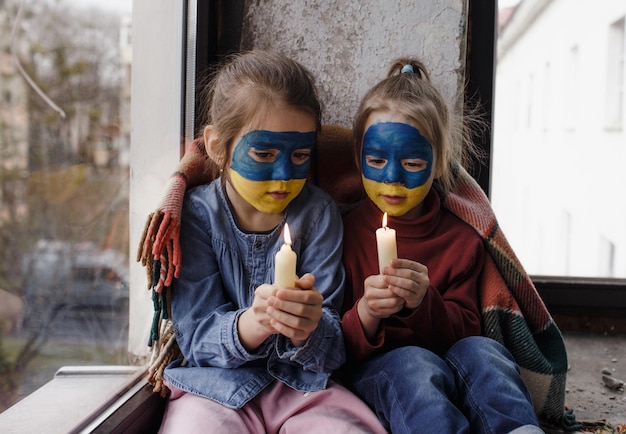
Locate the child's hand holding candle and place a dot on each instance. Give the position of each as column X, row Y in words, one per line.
column 285, row 263
column 386, row 242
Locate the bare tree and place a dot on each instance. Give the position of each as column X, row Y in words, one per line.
column 51, row 187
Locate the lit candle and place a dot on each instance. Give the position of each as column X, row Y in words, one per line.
column 285, row 263
column 386, row 241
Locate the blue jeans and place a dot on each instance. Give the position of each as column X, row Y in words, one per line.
column 475, row 388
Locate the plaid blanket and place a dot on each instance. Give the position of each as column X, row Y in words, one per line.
column 512, row 310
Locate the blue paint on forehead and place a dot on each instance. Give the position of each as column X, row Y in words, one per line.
column 283, row 168
column 395, row 142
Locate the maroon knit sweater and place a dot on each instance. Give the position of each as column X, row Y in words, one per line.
column 454, row 254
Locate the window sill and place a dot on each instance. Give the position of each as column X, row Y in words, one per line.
column 583, row 296
column 589, row 305
column 78, row 399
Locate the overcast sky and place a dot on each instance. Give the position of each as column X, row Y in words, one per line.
column 116, row 5
column 506, row 3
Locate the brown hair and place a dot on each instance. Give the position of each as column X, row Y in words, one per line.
column 412, row 95
column 251, row 83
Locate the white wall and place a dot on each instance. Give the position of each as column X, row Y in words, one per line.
column 558, row 172
column 155, row 134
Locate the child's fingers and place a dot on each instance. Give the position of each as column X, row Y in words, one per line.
column 295, row 313
column 290, row 332
column 293, row 326
column 306, row 282
column 300, row 304
column 389, row 304
column 308, row 297
column 412, row 290
column 381, row 302
column 407, row 275
column 408, row 264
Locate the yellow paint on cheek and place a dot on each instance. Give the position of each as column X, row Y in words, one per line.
column 412, row 197
column 256, row 193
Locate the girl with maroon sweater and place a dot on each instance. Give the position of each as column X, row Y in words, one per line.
column 412, row 326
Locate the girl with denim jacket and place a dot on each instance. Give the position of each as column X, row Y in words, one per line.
column 257, row 356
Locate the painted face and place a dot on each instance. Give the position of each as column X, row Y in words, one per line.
column 268, row 169
column 397, row 164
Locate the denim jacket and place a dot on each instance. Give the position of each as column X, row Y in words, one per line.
column 221, row 267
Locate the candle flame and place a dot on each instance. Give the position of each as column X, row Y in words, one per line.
column 385, row 220
column 287, row 235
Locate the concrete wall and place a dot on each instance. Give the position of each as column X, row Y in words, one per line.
column 348, row 45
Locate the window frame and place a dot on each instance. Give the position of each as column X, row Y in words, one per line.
column 199, row 48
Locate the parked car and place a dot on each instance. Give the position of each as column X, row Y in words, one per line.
column 60, row 274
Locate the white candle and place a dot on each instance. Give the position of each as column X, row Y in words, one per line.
column 386, row 242
column 285, row 263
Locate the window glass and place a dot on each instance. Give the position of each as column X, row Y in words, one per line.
column 64, row 173
column 559, row 141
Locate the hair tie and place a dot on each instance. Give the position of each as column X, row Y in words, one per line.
column 407, row 68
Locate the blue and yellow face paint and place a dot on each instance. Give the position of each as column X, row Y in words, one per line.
column 397, row 166
column 268, row 169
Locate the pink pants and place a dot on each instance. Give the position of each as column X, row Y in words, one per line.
column 277, row 409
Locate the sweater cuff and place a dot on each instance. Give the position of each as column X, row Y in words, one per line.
column 359, row 347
